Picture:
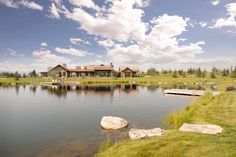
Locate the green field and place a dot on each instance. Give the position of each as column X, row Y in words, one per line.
column 220, row 110
column 166, row 81
column 13, row 81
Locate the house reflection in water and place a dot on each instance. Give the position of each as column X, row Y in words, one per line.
column 128, row 88
column 104, row 89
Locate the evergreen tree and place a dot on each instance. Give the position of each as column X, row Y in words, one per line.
column 225, row 72
column 164, row 72
column 17, row 76
column 233, row 73
column 24, row 75
column 174, row 75
column 204, row 73
column 212, row 75
column 33, row 74
column 152, row 72
column 184, row 74
column 199, row 72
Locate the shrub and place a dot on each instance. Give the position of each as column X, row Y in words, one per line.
column 105, row 144
column 175, row 74
column 176, row 119
column 152, row 72
column 230, row 88
column 212, row 75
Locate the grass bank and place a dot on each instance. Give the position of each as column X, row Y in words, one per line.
column 165, row 81
column 219, row 110
column 13, row 81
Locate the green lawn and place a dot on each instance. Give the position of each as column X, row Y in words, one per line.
column 166, row 81
column 12, row 81
column 220, row 110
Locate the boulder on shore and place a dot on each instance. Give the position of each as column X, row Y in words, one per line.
column 113, row 123
column 201, row 128
column 137, row 134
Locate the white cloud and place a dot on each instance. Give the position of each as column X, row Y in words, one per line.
column 120, row 28
column 182, row 39
column 122, row 21
column 84, row 3
column 229, row 21
column 215, row 2
column 9, row 3
column 43, row 60
column 78, row 41
column 72, row 51
column 56, row 8
column 54, row 11
column 161, row 45
column 106, row 43
column 45, row 57
column 13, row 53
column 24, row 3
column 44, row 44
column 206, row 63
column 203, row 24
column 12, row 67
column 31, row 5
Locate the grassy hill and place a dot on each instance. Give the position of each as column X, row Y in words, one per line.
column 219, row 110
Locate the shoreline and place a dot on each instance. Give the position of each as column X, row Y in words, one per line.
column 203, row 110
column 164, row 81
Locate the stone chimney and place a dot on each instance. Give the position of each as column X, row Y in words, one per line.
column 49, row 68
column 64, row 65
column 111, row 65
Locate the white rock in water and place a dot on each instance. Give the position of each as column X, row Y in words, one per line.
column 137, row 134
column 201, row 128
column 113, row 123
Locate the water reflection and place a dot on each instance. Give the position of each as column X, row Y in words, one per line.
column 152, row 88
column 37, row 122
column 17, row 89
column 61, row 91
column 33, row 89
column 104, row 89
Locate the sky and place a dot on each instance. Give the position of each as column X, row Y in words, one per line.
column 164, row 34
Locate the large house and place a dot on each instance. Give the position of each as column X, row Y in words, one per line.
column 91, row 71
column 130, row 71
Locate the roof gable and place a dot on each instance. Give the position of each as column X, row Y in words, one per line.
column 99, row 67
column 59, row 66
column 132, row 68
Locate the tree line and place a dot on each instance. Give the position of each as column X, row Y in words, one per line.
column 18, row 75
column 198, row 72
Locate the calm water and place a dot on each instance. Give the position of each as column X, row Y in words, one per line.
column 64, row 121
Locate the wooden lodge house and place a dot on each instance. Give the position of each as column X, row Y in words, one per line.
column 131, row 71
column 91, row 71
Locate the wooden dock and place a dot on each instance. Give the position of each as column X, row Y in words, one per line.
column 189, row 92
column 71, row 83
column 51, row 84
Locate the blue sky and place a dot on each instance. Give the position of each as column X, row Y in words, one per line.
column 149, row 33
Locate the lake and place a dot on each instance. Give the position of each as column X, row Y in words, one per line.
column 40, row 121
